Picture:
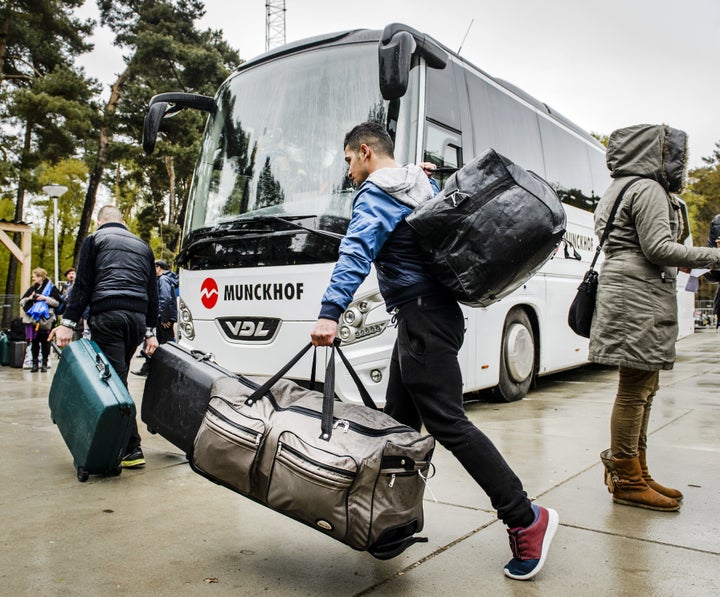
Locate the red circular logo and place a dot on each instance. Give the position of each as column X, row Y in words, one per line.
column 209, row 293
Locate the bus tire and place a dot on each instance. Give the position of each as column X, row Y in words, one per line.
column 517, row 357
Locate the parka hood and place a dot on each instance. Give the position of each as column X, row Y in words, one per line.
column 658, row 152
column 409, row 184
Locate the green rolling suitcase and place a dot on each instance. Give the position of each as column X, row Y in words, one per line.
column 4, row 349
column 92, row 408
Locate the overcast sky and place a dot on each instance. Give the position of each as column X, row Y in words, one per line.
column 603, row 64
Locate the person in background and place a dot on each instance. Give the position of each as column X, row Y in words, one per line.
column 70, row 276
column 425, row 381
column 39, row 303
column 167, row 302
column 116, row 279
column 167, row 309
column 635, row 324
column 714, row 276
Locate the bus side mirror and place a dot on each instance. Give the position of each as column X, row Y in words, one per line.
column 165, row 105
column 394, row 59
column 395, row 51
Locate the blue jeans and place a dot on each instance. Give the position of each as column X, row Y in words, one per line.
column 425, row 386
column 118, row 334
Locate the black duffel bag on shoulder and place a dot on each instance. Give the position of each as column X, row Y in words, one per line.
column 490, row 229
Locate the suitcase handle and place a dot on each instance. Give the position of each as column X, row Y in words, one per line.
column 103, row 366
column 329, row 387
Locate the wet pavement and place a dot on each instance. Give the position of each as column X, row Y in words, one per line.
column 163, row 530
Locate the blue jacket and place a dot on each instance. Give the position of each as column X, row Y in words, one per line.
column 167, row 297
column 378, row 233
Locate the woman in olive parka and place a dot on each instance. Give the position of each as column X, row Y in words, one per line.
column 635, row 322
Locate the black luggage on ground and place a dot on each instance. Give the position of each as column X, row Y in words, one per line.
column 346, row 470
column 92, row 409
column 177, row 392
column 16, row 354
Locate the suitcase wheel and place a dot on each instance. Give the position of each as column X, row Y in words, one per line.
column 152, row 430
column 116, row 471
column 82, row 474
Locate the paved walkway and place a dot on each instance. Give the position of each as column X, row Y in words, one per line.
column 163, row 530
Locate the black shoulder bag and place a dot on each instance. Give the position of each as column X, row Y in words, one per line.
column 583, row 306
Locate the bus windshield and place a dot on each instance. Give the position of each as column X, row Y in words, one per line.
column 272, row 154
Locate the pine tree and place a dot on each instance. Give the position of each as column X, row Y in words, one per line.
column 163, row 51
column 45, row 104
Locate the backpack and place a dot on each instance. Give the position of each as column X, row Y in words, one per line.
column 490, row 229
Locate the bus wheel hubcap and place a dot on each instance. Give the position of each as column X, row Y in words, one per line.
column 519, row 352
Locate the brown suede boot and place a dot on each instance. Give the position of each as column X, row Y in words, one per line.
column 666, row 491
column 624, row 480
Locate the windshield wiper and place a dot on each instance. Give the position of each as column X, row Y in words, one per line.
column 327, row 233
column 229, row 232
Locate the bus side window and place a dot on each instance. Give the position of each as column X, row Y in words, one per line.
column 443, row 148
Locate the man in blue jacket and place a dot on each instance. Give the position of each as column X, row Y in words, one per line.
column 167, row 301
column 167, row 283
column 425, row 381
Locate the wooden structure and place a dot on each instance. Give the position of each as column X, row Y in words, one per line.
column 21, row 253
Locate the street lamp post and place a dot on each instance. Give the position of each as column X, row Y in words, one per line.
column 55, row 191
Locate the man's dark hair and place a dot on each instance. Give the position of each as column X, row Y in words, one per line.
column 162, row 264
column 371, row 134
column 70, row 269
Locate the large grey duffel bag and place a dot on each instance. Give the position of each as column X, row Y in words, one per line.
column 347, row 470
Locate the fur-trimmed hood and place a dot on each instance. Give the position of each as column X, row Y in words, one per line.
column 652, row 151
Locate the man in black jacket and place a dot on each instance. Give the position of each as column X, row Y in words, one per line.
column 116, row 279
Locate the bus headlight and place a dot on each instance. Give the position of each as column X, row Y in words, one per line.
column 354, row 325
column 185, row 323
column 352, row 317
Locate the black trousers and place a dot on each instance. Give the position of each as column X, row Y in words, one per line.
column 425, row 386
column 118, row 334
column 40, row 341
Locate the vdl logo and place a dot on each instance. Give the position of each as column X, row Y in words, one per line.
column 250, row 329
column 209, row 293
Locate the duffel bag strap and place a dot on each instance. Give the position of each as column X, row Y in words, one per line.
column 364, row 394
column 329, row 386
column 263, row 389
column 329, row 390
column 326, row 423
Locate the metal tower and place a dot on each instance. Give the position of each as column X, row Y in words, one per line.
column 274, row 24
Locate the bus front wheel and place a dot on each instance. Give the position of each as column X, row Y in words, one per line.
column 517, row 358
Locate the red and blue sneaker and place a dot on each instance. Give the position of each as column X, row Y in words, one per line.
column 530, row 545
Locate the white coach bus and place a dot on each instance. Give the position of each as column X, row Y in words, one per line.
column 270, row 201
